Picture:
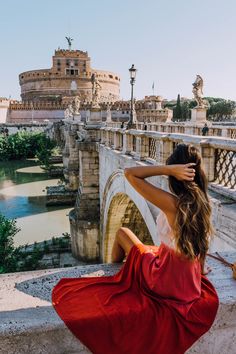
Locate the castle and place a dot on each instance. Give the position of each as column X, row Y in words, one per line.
column 46, row 93
column 70, row 75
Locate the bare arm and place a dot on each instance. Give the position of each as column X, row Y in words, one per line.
column 162, row 199
column 204, row 268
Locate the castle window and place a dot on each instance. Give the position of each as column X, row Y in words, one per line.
column 22, row 77
column 58, row 69
column 72, row 72
column 110, row 76
column 67, row 62
column 76, row 62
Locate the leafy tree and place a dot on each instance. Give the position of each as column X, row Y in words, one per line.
column 8, row 253
column 44, row 150
column 221, row 109
column 26, row 145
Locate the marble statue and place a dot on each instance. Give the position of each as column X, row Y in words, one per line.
column 82, row 135
column 198, row 92
column 108, row 107
column 73, row 109
column 69, row 112
column 76, row 105
column 96, row 91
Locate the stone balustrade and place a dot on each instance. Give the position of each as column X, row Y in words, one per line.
column 218, row 153
column 215, row 129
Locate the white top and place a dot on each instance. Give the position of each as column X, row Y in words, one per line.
column 164, row 230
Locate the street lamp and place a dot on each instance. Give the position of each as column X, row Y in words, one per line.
column 132, row 72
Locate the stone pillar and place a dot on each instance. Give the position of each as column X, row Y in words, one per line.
column 73, row 162
column 107, row 140
column 84, row 219
column 142, row 147
column 117, row 140
column 164, row 149
column 208, row 157
column 224, row 132
column 127, row 143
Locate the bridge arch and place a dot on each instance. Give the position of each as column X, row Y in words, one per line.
column 123, row 206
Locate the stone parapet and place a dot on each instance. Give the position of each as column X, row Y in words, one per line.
column 217, row 152
column 29, row 324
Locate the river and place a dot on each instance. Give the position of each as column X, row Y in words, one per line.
column 22, row 197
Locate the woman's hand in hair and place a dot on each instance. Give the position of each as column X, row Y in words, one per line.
column 183, row 172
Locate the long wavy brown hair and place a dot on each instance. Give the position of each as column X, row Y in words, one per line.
column 192, row 228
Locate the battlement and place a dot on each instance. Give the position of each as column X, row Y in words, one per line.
column 73, row 53
column 28, row 106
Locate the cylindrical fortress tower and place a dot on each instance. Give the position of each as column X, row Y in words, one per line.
column 70, row 75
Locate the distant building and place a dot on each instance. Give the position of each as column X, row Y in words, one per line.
column 147, row 110
column 46, row 93
column 70, row 75
column 4, row 105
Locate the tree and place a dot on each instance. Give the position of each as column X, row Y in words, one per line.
column 221, row 109
column 25, row 145
column 185, row 111
column 177, row 113
column 8, row 253
column 44, row 150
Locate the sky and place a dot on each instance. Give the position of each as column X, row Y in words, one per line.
column 168, row 41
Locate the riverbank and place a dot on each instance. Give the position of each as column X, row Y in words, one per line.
column 23, row 196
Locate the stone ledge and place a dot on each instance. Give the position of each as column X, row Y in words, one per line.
column 29, row 324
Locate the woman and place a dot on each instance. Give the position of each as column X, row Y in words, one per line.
column 159, row 302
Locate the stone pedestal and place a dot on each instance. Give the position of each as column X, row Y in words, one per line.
column 95, row 115
column 198, row 115
column 77, row 117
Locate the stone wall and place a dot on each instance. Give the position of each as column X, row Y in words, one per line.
column 28, row 116
column 4, row 104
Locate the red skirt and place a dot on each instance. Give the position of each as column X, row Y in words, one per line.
column 128, row 314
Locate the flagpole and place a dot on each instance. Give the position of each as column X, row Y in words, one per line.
column 153, row 88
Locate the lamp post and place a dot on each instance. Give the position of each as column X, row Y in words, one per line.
column 132, row 72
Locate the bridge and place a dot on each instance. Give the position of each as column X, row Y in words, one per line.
column 94, row 157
